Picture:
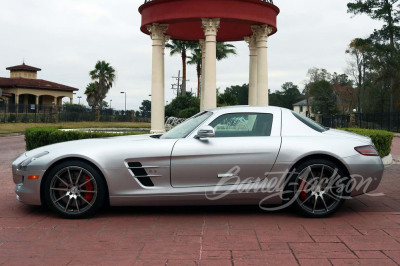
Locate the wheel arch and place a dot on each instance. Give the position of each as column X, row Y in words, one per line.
column 322, row 156
column 54, row 164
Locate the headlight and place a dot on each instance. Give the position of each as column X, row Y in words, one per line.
column 22, row 166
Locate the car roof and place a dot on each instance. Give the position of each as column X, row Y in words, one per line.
column 246, row 108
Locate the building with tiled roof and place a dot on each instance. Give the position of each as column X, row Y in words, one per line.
column 23, row 87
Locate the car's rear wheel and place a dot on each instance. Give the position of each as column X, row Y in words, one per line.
column 75, row 189
column 318, row 188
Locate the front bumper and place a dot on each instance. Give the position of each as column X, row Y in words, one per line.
column 28, row 191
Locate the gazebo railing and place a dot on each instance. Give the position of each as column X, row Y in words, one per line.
column 268, row 1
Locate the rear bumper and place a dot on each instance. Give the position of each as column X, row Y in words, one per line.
column 366, row 173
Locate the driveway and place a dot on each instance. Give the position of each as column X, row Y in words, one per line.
column 365, row 231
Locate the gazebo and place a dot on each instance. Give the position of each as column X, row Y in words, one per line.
column 209, row 21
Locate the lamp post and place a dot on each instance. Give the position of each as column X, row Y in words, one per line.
column 125, row 99
column 79, row 97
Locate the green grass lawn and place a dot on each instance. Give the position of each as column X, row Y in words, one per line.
column 7, row 128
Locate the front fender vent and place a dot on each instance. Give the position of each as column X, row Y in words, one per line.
column 140, row 174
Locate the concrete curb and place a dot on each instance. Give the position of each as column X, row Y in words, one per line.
column 12, row 134
column 387, row 160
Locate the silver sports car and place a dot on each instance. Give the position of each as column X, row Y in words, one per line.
column 232, row 155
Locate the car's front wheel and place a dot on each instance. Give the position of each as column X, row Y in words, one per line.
column 318, row 188
column 75, row 189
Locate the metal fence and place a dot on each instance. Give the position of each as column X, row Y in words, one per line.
column 31, row 113
column 386, row 121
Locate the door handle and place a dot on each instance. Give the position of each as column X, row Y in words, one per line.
column 226, row 175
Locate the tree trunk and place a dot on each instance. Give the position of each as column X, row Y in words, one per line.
column 198, row 79
column 183, row 72
column 308, row 113
column 360, row 84
column 392, row 48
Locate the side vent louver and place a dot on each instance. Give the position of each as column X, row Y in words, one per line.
column 140, row 173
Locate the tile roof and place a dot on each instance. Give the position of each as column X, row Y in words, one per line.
column 23, row 67
column 33, row 84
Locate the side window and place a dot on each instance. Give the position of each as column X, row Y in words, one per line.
column 243, row 125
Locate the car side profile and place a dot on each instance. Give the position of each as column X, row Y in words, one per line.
column 224, row 156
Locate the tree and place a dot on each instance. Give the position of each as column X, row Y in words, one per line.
column 103, row 76
column 346, row 94
column 181, row 47
column 91, row 94
column 314, row 75
column 388, row 35
column 223, row 51
column 241, row 93
column 195, row 59
column 226, row 99
column 290, row 94
column 183, row 106
column 324, row 98
column 286, row 97
column 145, row 108
column 358, row 49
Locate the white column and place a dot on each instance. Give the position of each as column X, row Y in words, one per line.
column 261, row 33
column 166, row 39
column 210, row 27
column 251, row 40
column 157, row 87
column 203, row 59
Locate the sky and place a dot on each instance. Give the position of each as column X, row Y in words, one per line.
column 65, row 38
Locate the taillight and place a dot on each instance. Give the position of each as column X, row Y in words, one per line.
column 367, row 150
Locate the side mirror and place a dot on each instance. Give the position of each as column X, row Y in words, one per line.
column 205, row 132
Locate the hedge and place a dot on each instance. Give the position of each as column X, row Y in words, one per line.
column 382, row 139
column 36, row 137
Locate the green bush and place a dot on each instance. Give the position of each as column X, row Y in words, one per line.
column 381, row 138
column 188, row 112
column 36, row 137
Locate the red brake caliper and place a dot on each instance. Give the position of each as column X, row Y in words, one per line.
column 303, row 194
column 89, row 187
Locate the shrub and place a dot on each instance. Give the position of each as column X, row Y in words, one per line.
column 36, row 137
column 12, row 118
column 188, row 112
column 382, row 139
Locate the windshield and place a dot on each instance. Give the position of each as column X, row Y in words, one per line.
column 185, row 128
column 309, row 122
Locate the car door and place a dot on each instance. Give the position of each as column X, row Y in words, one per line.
column 243, row 150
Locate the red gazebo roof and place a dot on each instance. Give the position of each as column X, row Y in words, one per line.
column 184, row 17
column 33, row 84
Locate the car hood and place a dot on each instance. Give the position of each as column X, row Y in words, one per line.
column 347, row 134
column 90, row 143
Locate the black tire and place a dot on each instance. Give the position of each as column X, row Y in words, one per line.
column 313, row 196
column 75, row 189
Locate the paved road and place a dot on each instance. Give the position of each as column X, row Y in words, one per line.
column 365, row 231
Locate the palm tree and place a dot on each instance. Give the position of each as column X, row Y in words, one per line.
column 195, row 59
column 223, row 51
column 91, row 94
column 181, row 47
column 103, row 76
